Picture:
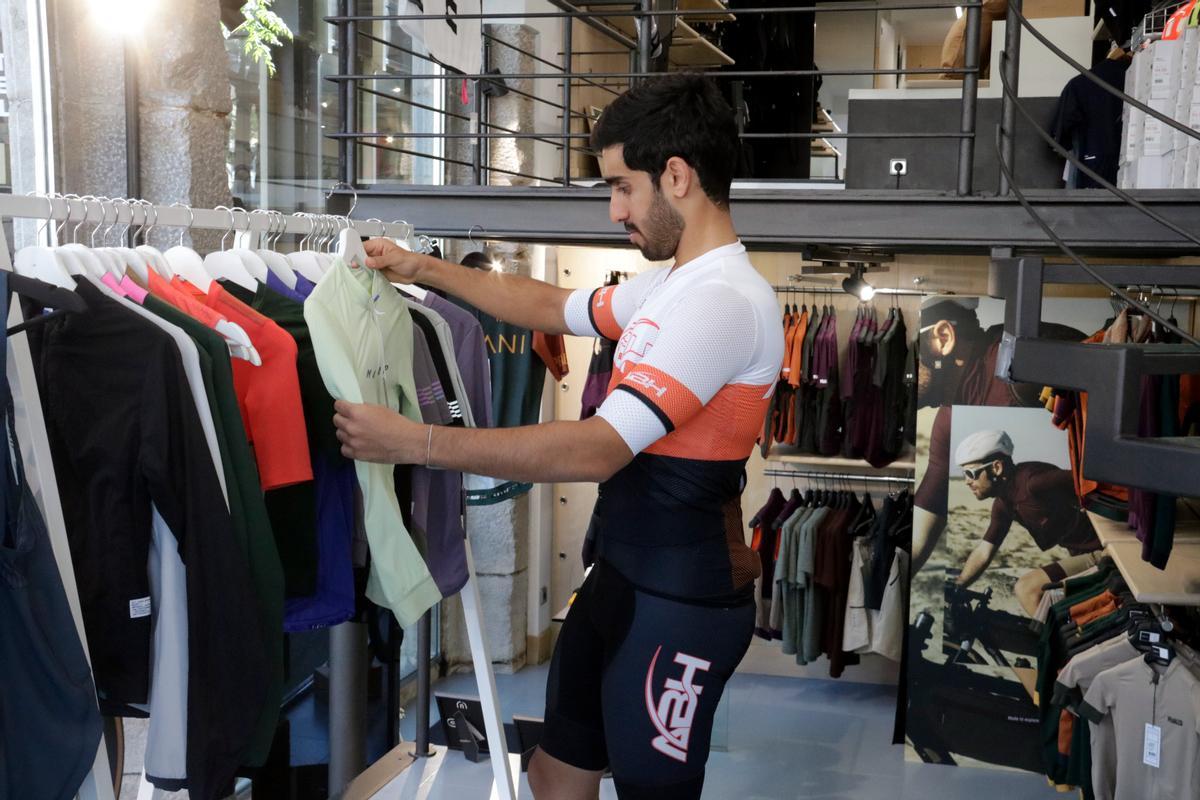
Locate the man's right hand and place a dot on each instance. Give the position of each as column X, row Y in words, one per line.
column 397, row 264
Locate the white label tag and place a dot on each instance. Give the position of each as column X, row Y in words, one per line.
column 1152, row 748
column 139, row 608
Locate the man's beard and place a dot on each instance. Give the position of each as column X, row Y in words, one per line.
column 662, row 230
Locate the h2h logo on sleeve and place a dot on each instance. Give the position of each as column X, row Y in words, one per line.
column 635, row 344
column 675, row 709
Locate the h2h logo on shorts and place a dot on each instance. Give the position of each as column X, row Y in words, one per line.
column 634, row 345
column 673, row 712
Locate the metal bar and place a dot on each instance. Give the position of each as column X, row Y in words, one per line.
column 552, row 138
column 424, row 628
column 682, row 12
column 881, row 135
column 594, row 23
column 852, row 476
column 1010, row 65
column 343, row 93
column 970, row 93
column 567, row 30
column 423, row 106
column 522, row 51
column 802, row 289
column 782, row 73
column 456, row 161
column 395, row 46
column 133, row 137
column 645, row 38
column 783, row 217
column 347, row 703
column 598, row 52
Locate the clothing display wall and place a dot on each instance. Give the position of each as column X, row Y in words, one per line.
column 1164, row 74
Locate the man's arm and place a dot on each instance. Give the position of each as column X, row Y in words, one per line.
column 565, row 452
column 927, row 532
column 977, row 562
column 521, row 301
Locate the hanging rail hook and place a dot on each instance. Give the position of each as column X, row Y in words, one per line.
column 471, row 237
column 191, row 219
column 232, row 223
column 100, row 224
column 49, row 214
column 353, row 202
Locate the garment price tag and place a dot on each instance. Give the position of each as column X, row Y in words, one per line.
column 139, row 608
column 1152, row 747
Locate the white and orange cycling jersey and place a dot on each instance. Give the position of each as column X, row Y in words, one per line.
column 699, row 349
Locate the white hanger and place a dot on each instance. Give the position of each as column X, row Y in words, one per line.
column 135, row 261
column 91, row 261
column 350, row 248
column 255, row 266
column 153, row 256
column 276, row 263
column 186, row 262
column 305, row 261
column 226, row 264
column 40, row 262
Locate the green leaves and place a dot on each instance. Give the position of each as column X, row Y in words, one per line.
column 263, row 29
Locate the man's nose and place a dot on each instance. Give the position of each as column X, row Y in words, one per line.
column 617, row 211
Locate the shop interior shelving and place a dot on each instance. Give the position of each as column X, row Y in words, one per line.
column 1179, row 583
column 907, row 462
column 689, row 50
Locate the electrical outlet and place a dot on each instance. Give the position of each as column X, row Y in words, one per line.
column 897, row 166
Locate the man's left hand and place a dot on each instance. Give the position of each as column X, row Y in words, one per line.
column 375, row 433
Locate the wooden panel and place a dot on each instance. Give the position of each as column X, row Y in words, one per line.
column 1177, row 585
column 718, row 7
column 1187, row 527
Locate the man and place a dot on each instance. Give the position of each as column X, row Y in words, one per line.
column 667, row 613
column 1038, row 496
column 958, row 367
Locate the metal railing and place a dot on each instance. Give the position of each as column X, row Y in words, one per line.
column 352, row 85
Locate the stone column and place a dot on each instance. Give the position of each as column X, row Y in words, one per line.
column 184, row 105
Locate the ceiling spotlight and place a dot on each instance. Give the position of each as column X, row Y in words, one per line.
column 958, row 12
column 858, row 287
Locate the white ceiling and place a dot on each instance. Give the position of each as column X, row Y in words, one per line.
column 924, row 26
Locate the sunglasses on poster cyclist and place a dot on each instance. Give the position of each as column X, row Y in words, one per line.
column 973, row 473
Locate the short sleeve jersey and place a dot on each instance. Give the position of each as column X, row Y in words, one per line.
column 1134, row 695
column 699, row 350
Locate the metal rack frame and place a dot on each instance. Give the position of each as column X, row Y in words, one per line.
column 350, row 83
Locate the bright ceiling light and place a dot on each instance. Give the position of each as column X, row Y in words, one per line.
column 124, row 17
column 958, row 12
column 855, row 285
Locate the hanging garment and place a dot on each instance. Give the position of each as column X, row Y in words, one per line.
column 49, row 723
column 332, row 602
column 273, row 413
column 143, row 445
column 1088, row 122
column 470, row 356
column 551, row 349
column 362, row 335
column 248, row 513
column 599, row 376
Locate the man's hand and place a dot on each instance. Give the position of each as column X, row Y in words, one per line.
column 397, row 264
column 376, row 433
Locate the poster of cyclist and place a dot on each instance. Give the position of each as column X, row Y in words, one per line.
column 996, row 518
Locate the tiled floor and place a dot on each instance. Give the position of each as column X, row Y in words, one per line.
column 787, row 739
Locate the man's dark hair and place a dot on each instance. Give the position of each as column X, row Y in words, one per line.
column 681, row 115
column 964, row 320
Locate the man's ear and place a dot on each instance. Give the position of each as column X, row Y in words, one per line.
column 677, row 177
column 998, row 468
column 943, row 338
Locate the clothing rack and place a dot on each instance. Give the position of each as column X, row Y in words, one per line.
column 801, row 289
column 347, row 656
column 852, row 477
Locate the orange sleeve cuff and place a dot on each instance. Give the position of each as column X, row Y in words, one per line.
column 673, row 402
column 601, row 312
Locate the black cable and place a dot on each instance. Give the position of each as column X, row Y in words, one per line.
column 1087, row 73
column 1071, row 254
column 1069, row 156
